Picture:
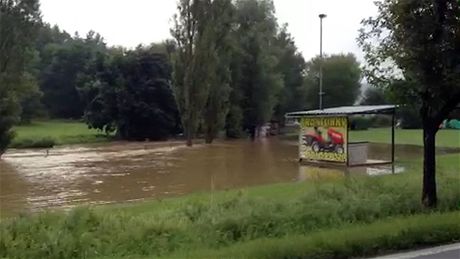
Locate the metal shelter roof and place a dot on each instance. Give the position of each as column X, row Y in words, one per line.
column 345, row 110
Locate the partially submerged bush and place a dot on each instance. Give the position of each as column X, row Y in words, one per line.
column 45, row 142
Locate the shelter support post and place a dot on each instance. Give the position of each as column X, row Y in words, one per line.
column 393, row 142
column 348, row 140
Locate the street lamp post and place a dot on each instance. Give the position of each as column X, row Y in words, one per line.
column 321, row 93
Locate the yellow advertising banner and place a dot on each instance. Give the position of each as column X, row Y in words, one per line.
column 323, row 139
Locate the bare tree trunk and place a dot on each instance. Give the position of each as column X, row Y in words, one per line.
column 252, row 132
column 208, row 139
column 189, row 140
column 209, row 135
column 189, row 133
column 429, row 197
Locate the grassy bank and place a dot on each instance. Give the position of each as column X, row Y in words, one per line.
column 444, row 137
column 353, row 216
column 48, row 133
column 349, row 241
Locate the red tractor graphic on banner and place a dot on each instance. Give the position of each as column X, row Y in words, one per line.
column 334, row 142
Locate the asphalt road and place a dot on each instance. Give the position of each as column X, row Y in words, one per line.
column 441, row 252
column 454, row 254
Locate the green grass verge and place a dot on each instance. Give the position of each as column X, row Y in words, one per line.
column 350, row 241
column 44, row 133
column 47, row 133
column 444, row 138
column 320, row 217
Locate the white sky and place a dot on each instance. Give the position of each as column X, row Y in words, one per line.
column 131, row 22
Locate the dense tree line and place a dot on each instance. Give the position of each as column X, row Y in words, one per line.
column 229, row 67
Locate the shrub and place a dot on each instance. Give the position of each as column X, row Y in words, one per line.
column 381, row 121
column 410, row 118
column 360, row 123
column 45, row 142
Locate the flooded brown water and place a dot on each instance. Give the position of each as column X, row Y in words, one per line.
column 121, row 172
column 64, row 177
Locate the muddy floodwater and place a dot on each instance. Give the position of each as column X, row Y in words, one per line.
column 122, row 172
column 64, row 177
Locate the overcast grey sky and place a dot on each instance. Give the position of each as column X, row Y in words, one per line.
column 131, row 22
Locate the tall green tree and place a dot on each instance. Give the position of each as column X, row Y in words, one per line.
column 257, row 81
column 217, row 104
column 292, row 67
column 18, row 25
column 48, row 35
column 418, row 41
column 341, row 80
column 131, row 94
column 32, row 103
column 374, row 96
column 193, row 61
column 63, row 68
column 30, row 99
column 234, row 119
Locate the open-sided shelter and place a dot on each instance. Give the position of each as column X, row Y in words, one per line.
column 324, row 135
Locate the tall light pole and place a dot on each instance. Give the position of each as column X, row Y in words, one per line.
column 321, row 93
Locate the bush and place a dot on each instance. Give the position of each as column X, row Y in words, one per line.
column 380, row 121
column 410, row 118
column 360, row 123
column 45, row 142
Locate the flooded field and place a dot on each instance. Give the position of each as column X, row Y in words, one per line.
column 122, row 172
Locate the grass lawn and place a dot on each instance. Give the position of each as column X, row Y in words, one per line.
column 444, row 137
column 347, row 241
column 72, row 132
column 350, row 217
column 59, row 132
